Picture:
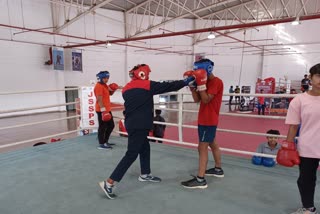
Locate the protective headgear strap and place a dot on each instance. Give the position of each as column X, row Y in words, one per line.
column 101, row 75
column 140, row 72
column 205, row 64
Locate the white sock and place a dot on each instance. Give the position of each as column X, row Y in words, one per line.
column 109, row 185
column 144, row 176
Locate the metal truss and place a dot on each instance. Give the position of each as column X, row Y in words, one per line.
column 144, row 17
column 82, row 10
column 219, row 12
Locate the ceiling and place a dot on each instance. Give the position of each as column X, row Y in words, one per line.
column 236, row 11
column 276, row 8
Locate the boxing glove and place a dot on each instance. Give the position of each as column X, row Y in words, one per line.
column 113, row 87
column 106, row 116
column 268, row 162
column 192, row 84
column 288, row 155
column 256, row 160
column 201, row 79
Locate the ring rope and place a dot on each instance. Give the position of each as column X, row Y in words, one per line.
column 240, row 132
column 231, row 114
column 43, row 91
column 37, row 123
column 218, row 129
column 171, row 93
column 246, row 95
column 35, row 108
column 196, row 145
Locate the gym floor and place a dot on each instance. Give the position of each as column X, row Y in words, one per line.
column 63, row 177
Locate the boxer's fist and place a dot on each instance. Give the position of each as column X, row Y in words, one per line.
column 288, row 155
column 113, row 87
column 201, row 79
column 193, row 86
column 106, row 116
column 187, row 74
column 190, row 79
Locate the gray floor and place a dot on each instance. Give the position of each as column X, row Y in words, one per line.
column 61, row 178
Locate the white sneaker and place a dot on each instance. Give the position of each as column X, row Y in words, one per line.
column 149, row 178
column 304, row 211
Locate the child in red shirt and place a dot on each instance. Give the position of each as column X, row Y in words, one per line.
column 209, row 93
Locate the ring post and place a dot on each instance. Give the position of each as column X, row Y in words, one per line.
column 180, row 115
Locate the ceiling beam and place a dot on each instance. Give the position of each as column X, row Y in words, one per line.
column 304, row 7
column 116, row 6
column 219, row 28
column 261, row 3
column 229, row 8
column 79, row 16
column 184, row 8
column 285, row 8
column 138, row 6
column 196, row 11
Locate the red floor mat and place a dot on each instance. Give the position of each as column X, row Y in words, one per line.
column 231, row 140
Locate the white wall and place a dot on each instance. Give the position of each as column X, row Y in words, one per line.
column 27, row 59
column 228, row 56
column 294, row 66
column 115, row 59
column 22, row 65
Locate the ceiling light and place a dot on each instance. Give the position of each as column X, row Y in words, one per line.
column 296, row 22
column 211, row 36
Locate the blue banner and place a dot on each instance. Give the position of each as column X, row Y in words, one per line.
column 58, row 60
column 76, row 61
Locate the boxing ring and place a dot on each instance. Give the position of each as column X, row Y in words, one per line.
column 62, row 177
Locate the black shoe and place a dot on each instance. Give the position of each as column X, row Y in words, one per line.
column 217, row 172
column 110, row 144
column 195, row 184
column 104, row 146
column 107, row 190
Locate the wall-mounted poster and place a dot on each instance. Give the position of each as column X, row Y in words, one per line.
column 58, row 59
column 76, row 61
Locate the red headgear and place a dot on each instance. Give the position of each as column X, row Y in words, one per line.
column 140, row 72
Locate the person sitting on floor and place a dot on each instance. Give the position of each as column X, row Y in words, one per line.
column 158, row 129
column 270, row 148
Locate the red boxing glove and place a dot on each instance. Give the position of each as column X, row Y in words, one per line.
column 192, row 85
column 113, row 87
column 106, row 116
column 201, row 79
column 288, row 155
column 187, row 74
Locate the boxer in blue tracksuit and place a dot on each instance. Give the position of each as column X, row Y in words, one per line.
column 138, row 97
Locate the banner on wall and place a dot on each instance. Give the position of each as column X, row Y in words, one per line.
column 267, row 85
column 76, row 61
column 89, row 118
column 58, row 59
column 245, row 89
